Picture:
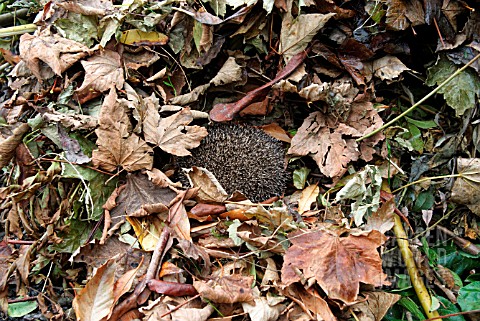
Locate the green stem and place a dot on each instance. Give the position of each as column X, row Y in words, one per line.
column 17, row 30
column 406, row 112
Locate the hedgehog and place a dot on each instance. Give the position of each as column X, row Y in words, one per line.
column 243, row 159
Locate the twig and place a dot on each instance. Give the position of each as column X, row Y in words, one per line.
column 406, row 112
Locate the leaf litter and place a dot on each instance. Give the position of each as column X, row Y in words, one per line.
column 103, row 97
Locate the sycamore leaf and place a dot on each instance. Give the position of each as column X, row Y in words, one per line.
column 116, row 146
column 459, row 93
column 56, row 52
column 338, row 263
column 102, row 72
column 332, row 144
column 172, row 133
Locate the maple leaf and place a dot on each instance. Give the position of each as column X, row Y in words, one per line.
column 57, row 52
column 332, row 143
column 116, row 146
column 172, row 133
column 337, row 263
column 102, row 71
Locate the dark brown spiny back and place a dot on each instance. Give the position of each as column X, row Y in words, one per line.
column 243, row 159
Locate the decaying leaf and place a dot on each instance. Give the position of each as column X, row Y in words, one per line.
column 338, row 263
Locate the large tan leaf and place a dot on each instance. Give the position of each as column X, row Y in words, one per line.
column 172, row 133
column 116, row 146
column 338, row 263
column 56, row 52
column 102, row 72
column 95, row 300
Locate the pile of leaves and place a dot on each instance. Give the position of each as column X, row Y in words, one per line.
column 376, row 102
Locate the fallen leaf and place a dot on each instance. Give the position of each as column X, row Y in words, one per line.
column 338, row 263
column 308, row 197
column 228, row 289
column 466, row 188
column 116, row 146
column 172, row 134
column 388, row 67
column 383, row 219
column 56, row 52
column 9, row 144
column 297, row 32
column 102, row 72
column 331, row 143
column 95, row 300
column 375, row 306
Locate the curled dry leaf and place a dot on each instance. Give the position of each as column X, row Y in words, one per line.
column 337, row 263
column 209, row 189
column 8, row 145
column 308, row 197
column 56, row 52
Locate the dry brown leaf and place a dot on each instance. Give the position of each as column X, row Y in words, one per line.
column 466, row 188
column 332, row 143
column 383, row 219
column 308, row 197
column 102, row 72
column 402, row 13
column 116, row 146
column 56, row 52
column 8, row 145
column 375, row 306
column 95, row 300
column 172, row 133
column 209, row 189
column 338, row 263
column 139, row 191
column 228, row 289
column 388, row 67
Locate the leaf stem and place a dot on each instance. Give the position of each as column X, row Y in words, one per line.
column 406, row 112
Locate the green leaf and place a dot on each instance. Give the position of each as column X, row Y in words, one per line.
column 300, row 177
column 447, row 307
column 469, row 297
column 20, row 309
column 461, row 91
column 424, row 201
column 423, row 124
column 413, row 307
column 79, row 28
